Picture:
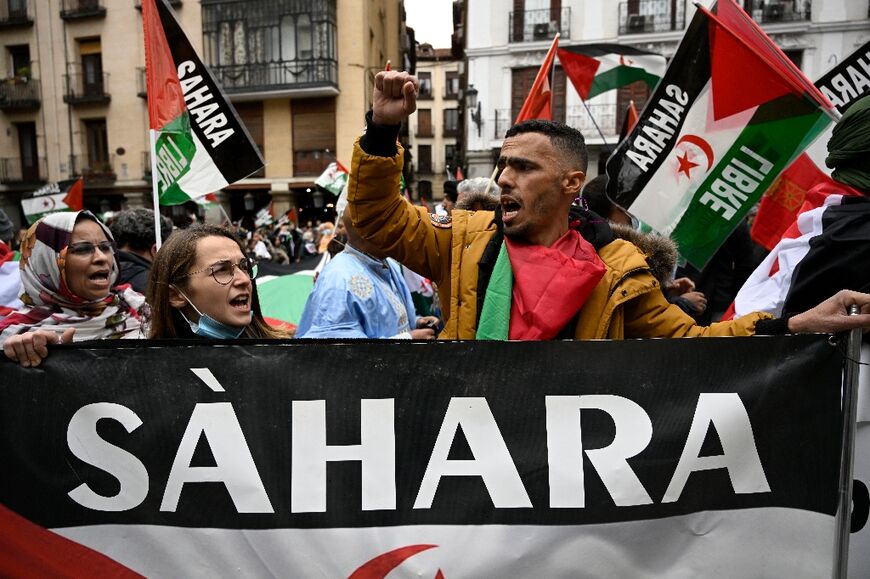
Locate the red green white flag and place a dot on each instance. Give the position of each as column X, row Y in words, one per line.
column 598, row 68
column 61, row 196
column 333, row 178
column 199, row 145
column 538, row 104
column 710, row 141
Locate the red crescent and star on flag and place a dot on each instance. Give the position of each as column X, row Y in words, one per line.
column 686, row 162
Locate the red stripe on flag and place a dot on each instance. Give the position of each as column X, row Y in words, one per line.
column 580, row 69
column 28, row 550
column 537, row 105
column 75, row 197
column 165, row 97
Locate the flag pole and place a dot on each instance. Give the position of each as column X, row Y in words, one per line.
column 491, row 181
column 843, row 520
column 597, row 128
column 155, row 195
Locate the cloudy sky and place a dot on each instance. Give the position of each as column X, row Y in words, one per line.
column 432, row 21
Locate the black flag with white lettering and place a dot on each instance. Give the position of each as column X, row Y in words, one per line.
column 499, row 458
column 199, row 144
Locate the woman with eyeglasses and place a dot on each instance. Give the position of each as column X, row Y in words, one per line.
column 68, row 274
column 201, row 285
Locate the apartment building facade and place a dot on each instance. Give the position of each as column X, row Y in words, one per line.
column 299, row 72
column 434, row 127
column 506, row 41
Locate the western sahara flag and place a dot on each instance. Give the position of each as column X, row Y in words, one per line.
column 597, row 68
column 333, row 178
column 61, row 196
column 198, row 143
column 729, row 115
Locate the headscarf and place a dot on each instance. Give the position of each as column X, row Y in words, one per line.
column 849, row 147
column 50, row 305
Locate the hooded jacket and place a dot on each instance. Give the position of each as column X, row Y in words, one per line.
column 457, row 254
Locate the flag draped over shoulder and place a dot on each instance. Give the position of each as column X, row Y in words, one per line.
column 201, row 145
column 538, row 103
column 597, row 68
column 729, row 115
column 333, row 178
column 61, row 196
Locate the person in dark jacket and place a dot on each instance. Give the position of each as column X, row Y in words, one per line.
column 133, row 230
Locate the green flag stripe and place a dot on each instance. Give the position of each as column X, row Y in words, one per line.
column 712, row 215
column 620, row 76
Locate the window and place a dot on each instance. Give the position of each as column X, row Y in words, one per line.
column 19, row 60
column 521, row 83
column 638, row 92
column 424, row 159
column 97, row 147
column 796, row 56
column 91, row 55
column 313, row 133
column 425, row 79
column 450, row 156
column 451, row 122
column 451, row 85
column 424, row 122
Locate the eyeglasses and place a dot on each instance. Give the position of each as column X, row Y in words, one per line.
column 86, row 248
column 223, row 272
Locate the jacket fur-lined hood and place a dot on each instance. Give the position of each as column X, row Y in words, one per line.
column 661, row 252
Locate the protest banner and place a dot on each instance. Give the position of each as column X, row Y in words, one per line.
column 702, row 457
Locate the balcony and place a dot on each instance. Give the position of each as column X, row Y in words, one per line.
column 19, row 94
column 575, row 116
column 15, row 14
column 138, row 3
column 14, row 171
column 79, row 9
column 272, row 48
column 94, row 172
column 242, row 79
column 645, row 16
column 539, row 25
column 774, row 12
column 84, row 89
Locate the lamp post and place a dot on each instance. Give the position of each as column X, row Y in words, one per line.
column 474, row 107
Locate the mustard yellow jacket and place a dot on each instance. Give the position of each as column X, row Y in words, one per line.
column 626, row 303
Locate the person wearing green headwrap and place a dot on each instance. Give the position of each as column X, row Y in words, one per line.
column 849, row 147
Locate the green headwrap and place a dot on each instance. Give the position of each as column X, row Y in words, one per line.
column 849, row 147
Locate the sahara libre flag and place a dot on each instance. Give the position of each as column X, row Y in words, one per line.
column 60, row 196
column 198, row 142
column 729, row 115
column 333, row 178
column 597, row 68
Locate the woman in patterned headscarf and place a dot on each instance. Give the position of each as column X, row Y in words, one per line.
column 68, row 274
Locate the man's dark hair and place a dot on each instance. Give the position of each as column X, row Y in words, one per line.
column 567, row 140
column 135, row 228
column 596, row 198
column 450, row 190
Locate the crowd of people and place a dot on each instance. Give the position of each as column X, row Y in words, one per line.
column 535, row 254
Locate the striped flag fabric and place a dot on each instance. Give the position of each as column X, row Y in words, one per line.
column 539, row 102
column 198, row 143
column 61, row 196
column 827, row 249
column 708, row 144
column 598, row 68
column 333, row 178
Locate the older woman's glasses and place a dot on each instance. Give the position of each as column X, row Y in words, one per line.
column 86, row 248
column 223, row 272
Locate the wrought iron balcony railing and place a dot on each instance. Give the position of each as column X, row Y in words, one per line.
column 19, row 93
column 271, row 76
column 539, row 25
column 17, row 170
column 575, row 116
column 74, row 9
column 82, row 88
column 644, row 16
column 15, row 13
column 772, row 12
column 138, row 3
column 95, row 172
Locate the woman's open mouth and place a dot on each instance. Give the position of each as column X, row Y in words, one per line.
column 241, row 303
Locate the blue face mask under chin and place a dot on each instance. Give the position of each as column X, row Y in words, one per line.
column 208, row 327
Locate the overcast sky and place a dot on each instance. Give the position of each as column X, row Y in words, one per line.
column 432, row 21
